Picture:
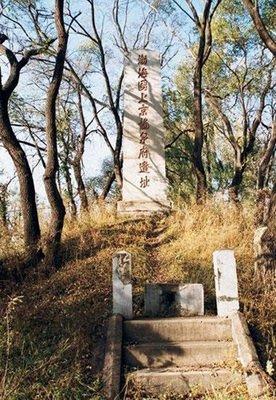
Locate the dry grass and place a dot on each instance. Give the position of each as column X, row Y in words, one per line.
column 57, row 333
column 193, row 234
column 11, row 241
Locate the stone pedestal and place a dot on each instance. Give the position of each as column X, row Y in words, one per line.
column 166, row 299
column 191, row 299
column 226, row 282
column 122, row 287
column 144, row 177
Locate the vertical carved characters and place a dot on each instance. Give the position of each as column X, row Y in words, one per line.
column 143, row 106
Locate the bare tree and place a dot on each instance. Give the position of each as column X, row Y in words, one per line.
column 15, row 150
column 203, row 25
column 113, row 99
column 109, row 108
column 243, row 145
column 73, row 139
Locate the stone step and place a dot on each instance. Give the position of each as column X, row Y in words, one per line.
column 177, row 329
column 181, row 382
column 165, row 355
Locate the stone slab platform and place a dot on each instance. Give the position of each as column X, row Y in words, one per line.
column 190, row 353
column 181, row 382
column 177, row 329
column 142, row 207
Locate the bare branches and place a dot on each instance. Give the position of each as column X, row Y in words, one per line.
column 32, row 145
column 258, row 117
column 213, row 102
column 93, row 104
column 253, row 9
column 242, row 143
column 267, row 156
column 183, row 10
column 194, row 12
column 181, row 133
column 16, row 66
column 119, row 90
column 141, row 27
column 120, row 30
column 18, row 23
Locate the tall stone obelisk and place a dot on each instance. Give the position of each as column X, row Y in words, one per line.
column 144, row 176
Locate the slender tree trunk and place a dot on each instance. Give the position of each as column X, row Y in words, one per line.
column 118, row 172
column 263, row 174
column 201, row 189
column 73, row 207
column 265, row 240
column 26, row 184
column 107, row 187
column 53, row 194
column 208, row 161
column 77, row 161
column 234, row 187
column 265, row 160
column 4, row 206
column 80, row 186
column 239, row 167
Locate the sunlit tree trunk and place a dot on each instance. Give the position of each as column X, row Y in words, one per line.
column 26, row 183
column 53, row 194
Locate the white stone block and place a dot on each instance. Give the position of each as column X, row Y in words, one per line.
column 226, row 282
column 170, row 299
column 190, row 297
column 122, row 287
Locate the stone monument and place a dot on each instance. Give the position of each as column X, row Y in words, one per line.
column 226, row 282
column 144, row 176
column 122, row 287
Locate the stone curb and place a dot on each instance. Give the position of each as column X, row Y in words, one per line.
column 255, row 381
column 113, row 356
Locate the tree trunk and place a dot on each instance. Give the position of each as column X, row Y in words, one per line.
column 107, row 186
column 265, row 240
column 80, row 186
column 118, row 170
column 234, row 187
column 73, row 207
column 26, row 183
column 54, row 197
column 267, row 39
column 201, row 189
column 4, row 205
column 265, row 160
column 263, row 195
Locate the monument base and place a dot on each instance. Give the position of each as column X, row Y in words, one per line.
column 142, row 207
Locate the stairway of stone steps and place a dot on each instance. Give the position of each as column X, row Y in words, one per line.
column 178, row 354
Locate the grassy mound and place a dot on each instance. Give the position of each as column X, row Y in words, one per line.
column 53, row 327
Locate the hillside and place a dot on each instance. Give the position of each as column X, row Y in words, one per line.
column 53, row 325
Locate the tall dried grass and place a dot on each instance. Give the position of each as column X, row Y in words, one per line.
column 58, row 330
column 194, row 233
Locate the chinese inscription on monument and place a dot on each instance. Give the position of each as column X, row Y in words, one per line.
column 143, row 123
column 144, row 180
